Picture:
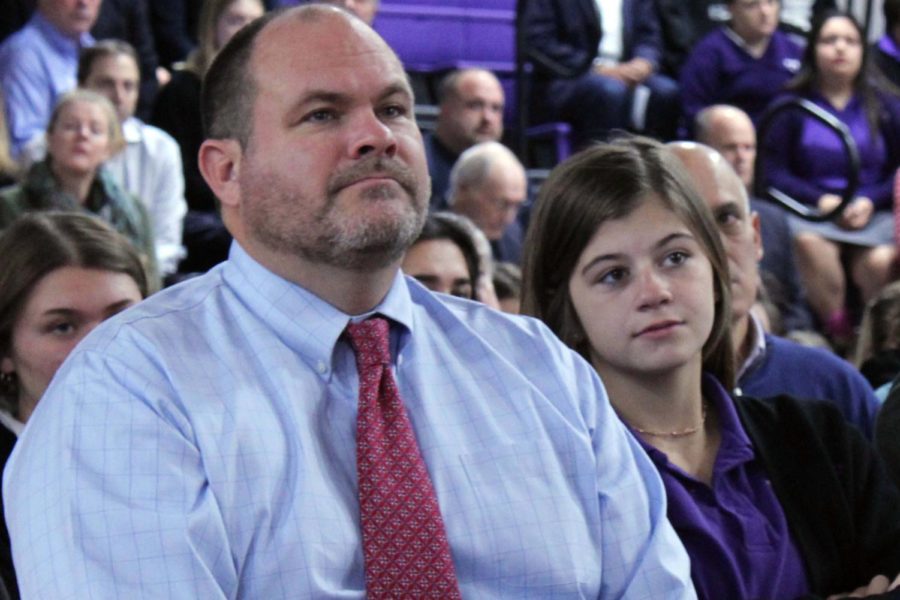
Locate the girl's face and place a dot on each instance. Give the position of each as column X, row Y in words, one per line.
column 643, row 292
column 79, row 141
column 238, row 14
column 62, row 308
column 839, row 50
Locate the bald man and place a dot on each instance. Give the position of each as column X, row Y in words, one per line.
column 488, row 185
column 471, row 112
column 730, row 131
column 767, row 365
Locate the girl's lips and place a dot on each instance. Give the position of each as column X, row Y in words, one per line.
column 658, row 328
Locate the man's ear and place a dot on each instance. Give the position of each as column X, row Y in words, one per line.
column 757, row 234
column 220, row 163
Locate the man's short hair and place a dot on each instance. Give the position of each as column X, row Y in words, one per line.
column 102, row 49
column 472, row 167
column 449, row 85
column 228, row 89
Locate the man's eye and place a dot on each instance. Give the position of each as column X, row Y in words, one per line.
column 394, row 110
column 320, row 116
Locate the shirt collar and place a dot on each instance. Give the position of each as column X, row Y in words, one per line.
column 302, row 320
column 757, row 349
column 131, row 131
column 57, row 38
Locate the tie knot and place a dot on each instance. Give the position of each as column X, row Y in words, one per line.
column 370, row 341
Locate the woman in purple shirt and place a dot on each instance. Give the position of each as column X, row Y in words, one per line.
column 807, row 161
column 774, row 499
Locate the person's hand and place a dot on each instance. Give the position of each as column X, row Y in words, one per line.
column 636, row 70
column 828, row 202
column 879, row 585
column 858, row 213
column 611, row 71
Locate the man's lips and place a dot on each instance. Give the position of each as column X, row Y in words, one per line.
column 659, row 327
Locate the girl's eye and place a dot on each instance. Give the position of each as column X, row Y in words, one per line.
column 677, row 257
column 612, row 276
column 62, row 328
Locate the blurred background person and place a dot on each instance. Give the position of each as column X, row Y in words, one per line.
column 149, row 165
column 729, row 130
column 878, row 346
column 61, row 275
column 470, row 111
column 744, row 63
column 38, row 64
column 488, row 185
column 807, row 161
column 177, row 111
column 443, row 258
column 83, row 132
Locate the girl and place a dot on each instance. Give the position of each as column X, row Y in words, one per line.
column 771, row 499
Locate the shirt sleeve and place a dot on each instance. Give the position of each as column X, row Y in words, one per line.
column 106, row 494
column 27, row 95
column 168, row 206
column 642, row 555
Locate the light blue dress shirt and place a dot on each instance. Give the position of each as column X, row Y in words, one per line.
column 38, row 64
column 202, row 445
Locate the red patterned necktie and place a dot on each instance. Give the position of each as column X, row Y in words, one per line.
column 405, row 546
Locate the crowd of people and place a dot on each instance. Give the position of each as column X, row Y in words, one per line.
column 280, row 412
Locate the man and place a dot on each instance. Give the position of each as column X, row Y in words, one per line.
column 597, row 65
column 150, row 165
column 730, row 131
column 488, row 185
column 38, row 64
column 471, row 111
column 766, row 364
column 212, row 443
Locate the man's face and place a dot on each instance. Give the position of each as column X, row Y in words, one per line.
column 116, row 76
column 494, row 204
column 754, row 20
column 473, row 114
column 334, row 172
column 739, row 228
column 735, row 138
column 72, row 17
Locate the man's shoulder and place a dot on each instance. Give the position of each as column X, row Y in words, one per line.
column 184, row 311
column 811, row 364
column 27, row 43
column 511, row 335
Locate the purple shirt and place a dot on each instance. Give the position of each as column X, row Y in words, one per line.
column 887, row 45
column 735, row 532
column 720, row 71
column 806, row 159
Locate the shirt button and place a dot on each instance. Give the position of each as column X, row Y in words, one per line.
column 321, row 367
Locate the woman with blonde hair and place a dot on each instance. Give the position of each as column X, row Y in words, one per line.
column 83, row 132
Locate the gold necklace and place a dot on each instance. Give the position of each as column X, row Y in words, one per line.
column 678, row 432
